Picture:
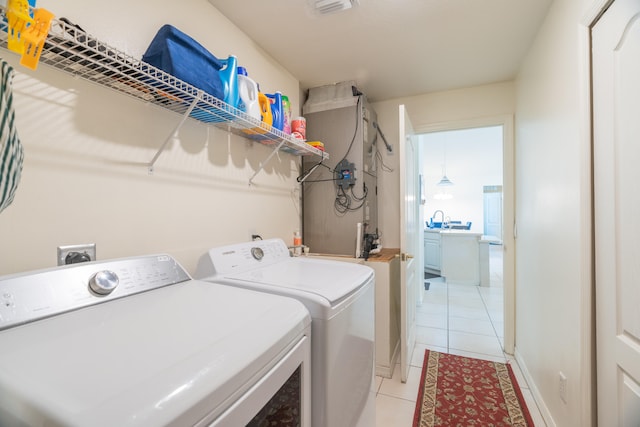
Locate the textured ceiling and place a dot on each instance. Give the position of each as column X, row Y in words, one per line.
column 394, row 48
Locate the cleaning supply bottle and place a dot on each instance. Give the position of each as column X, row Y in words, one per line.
column 297, row 243
column 265, row 108
column 229, row 77
column 276, row 109
column 248, row 92
column 286, row 109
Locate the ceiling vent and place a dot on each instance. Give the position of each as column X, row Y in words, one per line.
column 325, row 7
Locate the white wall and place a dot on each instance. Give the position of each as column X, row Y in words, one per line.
column 85, row 179
column 553, row 330
column 473, row 160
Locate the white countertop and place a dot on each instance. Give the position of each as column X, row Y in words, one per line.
column 447, row 231
column 432, row 230
column 460, row 232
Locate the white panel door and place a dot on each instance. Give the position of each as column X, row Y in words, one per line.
column 493, row 211
column 616, row 151
column 409, row 239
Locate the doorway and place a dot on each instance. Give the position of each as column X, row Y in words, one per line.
column 474, row 155
column 472, row 161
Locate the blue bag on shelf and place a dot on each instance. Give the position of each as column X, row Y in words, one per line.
column 176, row 53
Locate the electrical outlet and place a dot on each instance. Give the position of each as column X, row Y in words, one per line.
column 562, row 386
column 88, row 249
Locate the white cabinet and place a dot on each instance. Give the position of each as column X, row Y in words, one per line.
column 461, row 257
column 432, row 261
column 386, row 265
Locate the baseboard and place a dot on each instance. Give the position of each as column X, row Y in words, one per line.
column 384, row 371
column 542, row 407
column 387, row 371
column 396, row 354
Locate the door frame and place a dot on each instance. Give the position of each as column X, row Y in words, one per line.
column 588, row 391
column 508, row 218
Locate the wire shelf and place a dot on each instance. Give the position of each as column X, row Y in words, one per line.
column 69, row 49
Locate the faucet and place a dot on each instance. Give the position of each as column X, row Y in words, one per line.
column 434, row 215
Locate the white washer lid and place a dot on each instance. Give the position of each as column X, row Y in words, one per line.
column 170, row 355
column 330, row 280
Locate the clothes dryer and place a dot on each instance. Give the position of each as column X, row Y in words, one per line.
column 136, row 342
column 340, row 298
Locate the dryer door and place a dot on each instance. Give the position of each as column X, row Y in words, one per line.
column 283, row 393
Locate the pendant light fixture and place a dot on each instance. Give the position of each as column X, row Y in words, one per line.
column 445, row 182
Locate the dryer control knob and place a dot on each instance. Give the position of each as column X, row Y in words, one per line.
column 104, row 282
column 257, row 253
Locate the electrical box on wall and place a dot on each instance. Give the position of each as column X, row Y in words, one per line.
column 345, row 174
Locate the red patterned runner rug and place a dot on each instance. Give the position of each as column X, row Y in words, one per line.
column 462, row 391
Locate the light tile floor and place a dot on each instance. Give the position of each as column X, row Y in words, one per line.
column 455, row 319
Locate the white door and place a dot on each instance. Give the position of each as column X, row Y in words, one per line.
column 493, row 211
column 616, row 151
column 409, row 239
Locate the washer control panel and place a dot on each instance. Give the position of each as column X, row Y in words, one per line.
column 32, row 296
column 257, row 253
column 104, row 282
column 243, row 256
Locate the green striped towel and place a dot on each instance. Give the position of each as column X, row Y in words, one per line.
column 11, row 151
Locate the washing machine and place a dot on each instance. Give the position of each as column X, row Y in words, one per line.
column 340, row 298
column 136, row 342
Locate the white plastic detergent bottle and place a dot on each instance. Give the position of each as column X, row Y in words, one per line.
column 248, row 94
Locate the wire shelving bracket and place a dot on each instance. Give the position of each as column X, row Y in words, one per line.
column 174, row 134
column 73, row 51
